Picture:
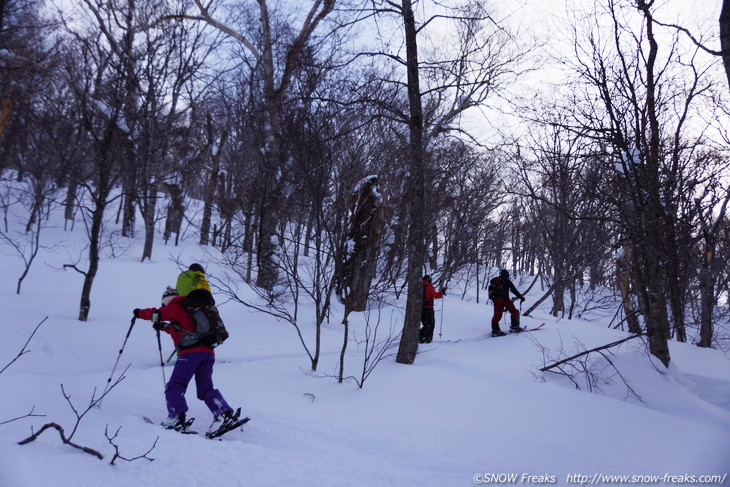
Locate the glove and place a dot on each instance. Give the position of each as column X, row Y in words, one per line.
column 522, row 299
column 159, row 326
column 443, row 290
column 135, row 312
column 156, row 316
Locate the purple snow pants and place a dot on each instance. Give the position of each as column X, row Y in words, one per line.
column 200, row 365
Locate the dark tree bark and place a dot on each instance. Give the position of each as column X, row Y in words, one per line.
column 415, row 195
column 708, row 269
column 366, row 225
column 624, row 275
column 211, row 184
column 654, row 215
column 725, row 37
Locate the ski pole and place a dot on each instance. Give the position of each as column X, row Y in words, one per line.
column 443, row 303
column 441, row 326
column 119, row 356
column 162, row 362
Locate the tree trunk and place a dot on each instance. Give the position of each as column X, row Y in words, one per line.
column 149, row 226
column 70, row 205
column 358, row 265
column 175, row 212
column 657, row 323
column 558, row 309
column 725, row 37
column 415, row 195
column 707, row 293
column 131, row 170
column 94, row 244
column 708, row 271
column 211, row 184
column 5, row 112
column 345, row 339
column 268, row 239
column 128, row 209
column 624, row 275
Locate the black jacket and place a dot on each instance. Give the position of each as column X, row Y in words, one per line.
column 500, row 288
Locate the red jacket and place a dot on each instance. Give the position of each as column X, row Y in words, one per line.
column 175, row 315
column 429, row 293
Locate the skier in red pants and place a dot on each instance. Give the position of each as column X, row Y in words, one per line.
column 499, row 289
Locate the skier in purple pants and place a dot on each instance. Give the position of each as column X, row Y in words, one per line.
column 200, row 365
column 195, row 361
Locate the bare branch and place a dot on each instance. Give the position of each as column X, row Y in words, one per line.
column 79, row 416
column 66, row 441
column 29, row 415
column 24, row 350
column 586, row 352
column 116, row 448
column 73, row 266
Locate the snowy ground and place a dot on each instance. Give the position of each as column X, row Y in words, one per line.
column 471, row 409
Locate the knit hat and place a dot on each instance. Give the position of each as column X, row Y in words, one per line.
column 167, row 296
column 197, row 268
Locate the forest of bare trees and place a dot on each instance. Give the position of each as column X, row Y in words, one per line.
column 327, row 150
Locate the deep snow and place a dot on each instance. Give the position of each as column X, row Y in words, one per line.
column 471, row 409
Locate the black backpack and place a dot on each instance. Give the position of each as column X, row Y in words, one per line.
column 209, row 328
column 494, row 288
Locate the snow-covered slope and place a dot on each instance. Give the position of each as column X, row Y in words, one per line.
column 469, row 410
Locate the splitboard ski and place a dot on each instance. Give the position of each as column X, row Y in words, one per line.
column 490, row 335
column 226, row 428
column 523, row 330
column 533, row 328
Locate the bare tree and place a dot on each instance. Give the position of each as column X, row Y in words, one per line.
column 724, row 24
column 93, row 90
column 416, row 193
column 647, row 130
column 156, row 68
column 560, row 186
column 438, row 88
column 375, row 347
column 711, row 220
column 276, row 74
column 725, row 37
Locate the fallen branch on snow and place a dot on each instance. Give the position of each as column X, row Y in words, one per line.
column 586, row 352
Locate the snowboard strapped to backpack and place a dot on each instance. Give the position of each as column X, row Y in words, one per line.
column 494, row 288
column 209, row 328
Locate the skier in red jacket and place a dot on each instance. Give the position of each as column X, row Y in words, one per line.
column 428, row 318
column 195, row 361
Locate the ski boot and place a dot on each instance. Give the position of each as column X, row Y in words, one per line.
column 496, row 332
column 226, row 422
column 428, row 335
column 179, row 424
column 515, row 326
